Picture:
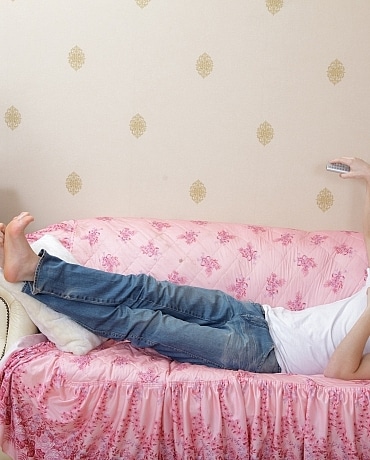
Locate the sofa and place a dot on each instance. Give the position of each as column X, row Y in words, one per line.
column 109, row 400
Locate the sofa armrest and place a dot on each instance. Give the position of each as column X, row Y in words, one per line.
column 14, row 321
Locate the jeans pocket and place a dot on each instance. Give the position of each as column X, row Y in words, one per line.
column 257, row 342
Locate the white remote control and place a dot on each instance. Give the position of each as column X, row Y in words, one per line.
column 337, row 167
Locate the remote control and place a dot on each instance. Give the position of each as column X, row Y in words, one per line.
column 337, row 167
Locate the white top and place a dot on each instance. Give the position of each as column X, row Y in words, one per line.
column 306, row 339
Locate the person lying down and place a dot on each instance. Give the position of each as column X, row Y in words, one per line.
column 197, row 325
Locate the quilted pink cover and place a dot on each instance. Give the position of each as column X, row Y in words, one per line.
column 121, row 403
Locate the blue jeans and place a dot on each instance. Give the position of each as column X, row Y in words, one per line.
column 187, row 324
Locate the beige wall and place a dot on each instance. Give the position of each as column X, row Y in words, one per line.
column 204, row 76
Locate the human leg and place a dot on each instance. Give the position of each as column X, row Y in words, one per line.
column 188, row 324
column 70, row 282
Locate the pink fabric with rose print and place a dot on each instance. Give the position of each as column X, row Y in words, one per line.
column 119, row 402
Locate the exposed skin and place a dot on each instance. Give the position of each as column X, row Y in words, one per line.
column 20, row 261
column 347, row 362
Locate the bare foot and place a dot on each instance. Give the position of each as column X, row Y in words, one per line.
column 2, row 239
column 20, row 261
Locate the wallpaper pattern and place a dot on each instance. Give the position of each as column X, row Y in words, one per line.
column 184, row 109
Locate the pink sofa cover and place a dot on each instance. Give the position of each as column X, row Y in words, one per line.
column 118, row 402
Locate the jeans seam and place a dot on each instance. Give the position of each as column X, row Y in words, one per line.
column 152, row 345
column 37, row 271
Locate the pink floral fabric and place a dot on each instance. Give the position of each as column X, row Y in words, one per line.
column 118, row 402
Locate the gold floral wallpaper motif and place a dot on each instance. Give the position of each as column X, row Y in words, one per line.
column 142, row 3
column 325, row 200
column 73, row 183
column 336, row 72
column 137, row 125
column 265, row 133
column 13, row 118
column 76, row 58
column 198, row 191
column 204, row 65
column 274, row 6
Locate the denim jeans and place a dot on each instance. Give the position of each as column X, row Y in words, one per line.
column 187, row 324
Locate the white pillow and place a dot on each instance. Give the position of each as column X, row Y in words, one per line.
column 57, row 327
